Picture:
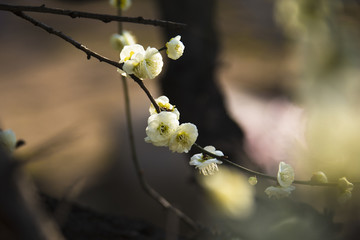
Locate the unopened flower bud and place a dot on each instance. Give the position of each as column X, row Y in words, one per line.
column 319, row 177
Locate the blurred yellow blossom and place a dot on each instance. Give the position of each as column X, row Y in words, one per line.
column 122, row 4
column 345, row 190
column 252, row 180
column 231, row 192
column 278, row 191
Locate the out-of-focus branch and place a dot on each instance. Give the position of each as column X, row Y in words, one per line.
column 21, row 216
column 102, row 17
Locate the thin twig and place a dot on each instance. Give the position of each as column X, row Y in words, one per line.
column 162, row 49
column 144, row 88
column 263, row 175
column 225, row 159
column 102, row 17
column 89, row 53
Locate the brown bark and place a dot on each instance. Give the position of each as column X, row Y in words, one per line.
column 190, row 82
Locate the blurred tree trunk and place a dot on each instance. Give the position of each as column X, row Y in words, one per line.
column 190, row 82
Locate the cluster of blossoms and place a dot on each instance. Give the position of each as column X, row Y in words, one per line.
column 144, row 64
column 165, row 130
column 7, row 140
column 285, row 178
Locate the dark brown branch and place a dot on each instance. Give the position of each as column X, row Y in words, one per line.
column 76, row 44
column 259, row 174
column 225, row 159
column 143, row 87
column 86, row 50
column 103, row 17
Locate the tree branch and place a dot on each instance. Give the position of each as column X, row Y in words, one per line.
column 147, row 92
column 262, row 175
column 101, row 58
column 102, row 17
column 76, row 44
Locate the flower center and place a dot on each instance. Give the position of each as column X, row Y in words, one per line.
column 166, row 107
column 129, row 57
column 285, row 176
column 163, row 129
column 182, row 138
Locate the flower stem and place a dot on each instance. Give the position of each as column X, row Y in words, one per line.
column 161, row 49
column 259, row 174
column 144, row 88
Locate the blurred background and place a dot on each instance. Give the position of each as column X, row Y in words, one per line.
column 286, row 70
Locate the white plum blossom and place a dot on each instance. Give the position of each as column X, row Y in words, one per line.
column 122, row 4
column 129, row 51
column 286, row 175
column 119, row 41
column 130, row 55
column 160, row 128
column 175, row 48
column 206, row 164
column 164, row 104
column 183, row 138
column 150, row 66
column 7, row 140
column 143, row 64
column 285, row 178
column 278, row 191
